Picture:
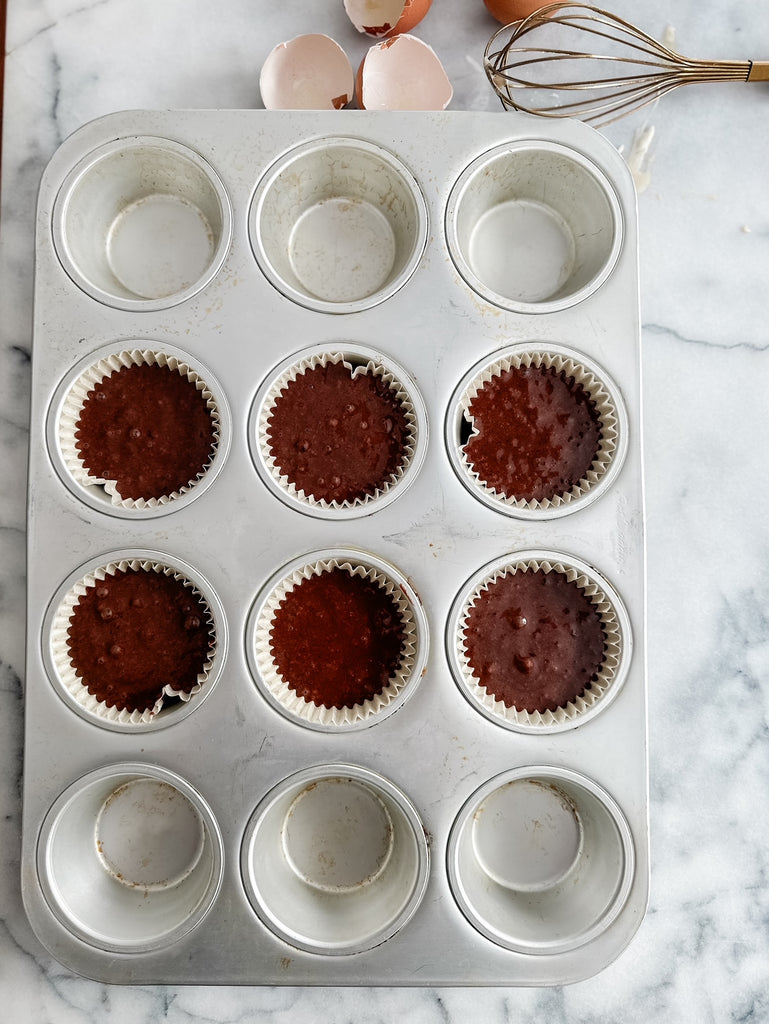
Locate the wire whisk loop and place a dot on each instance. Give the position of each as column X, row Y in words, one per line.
column 575, row 60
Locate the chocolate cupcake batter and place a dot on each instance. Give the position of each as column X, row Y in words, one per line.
column 146, row 427
column 136, row 632
column 534, row 640
column 336, row 436
column 538, row 432
column 337, row 639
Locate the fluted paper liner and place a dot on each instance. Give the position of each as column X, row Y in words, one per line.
column 66, row 671
column 605, row 407
column 311, row 362
column 72, row 408
column 569, row 713
column 319, row 715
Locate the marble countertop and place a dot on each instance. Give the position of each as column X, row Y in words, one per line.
column 699, row 158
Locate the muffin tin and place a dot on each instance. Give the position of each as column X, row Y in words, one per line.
column 426, row 840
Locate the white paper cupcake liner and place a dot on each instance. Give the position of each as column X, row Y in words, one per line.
column 601, row 688
column 306, row 711
column 72, row 408
column 609, row 446
column 66, row 672
column 311, row 362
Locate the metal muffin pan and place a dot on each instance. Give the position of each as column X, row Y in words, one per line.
column 435, row 845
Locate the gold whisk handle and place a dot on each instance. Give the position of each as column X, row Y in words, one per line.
column 759, row 71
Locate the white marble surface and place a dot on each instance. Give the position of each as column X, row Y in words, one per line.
column 702, row 953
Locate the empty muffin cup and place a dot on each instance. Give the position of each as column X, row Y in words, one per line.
column 540, row 860
column 338, row 434
column 337, row 640
column 533, row 226
column 142, row 223
column 134, row 641
column 130, row 858
column 537, row 431
column 335, row 860
column 138, row 432
column 338, row 225
column 538, row 642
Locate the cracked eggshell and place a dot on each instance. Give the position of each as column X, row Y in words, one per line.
column 384, row 18
column 402, row 73
column 309, row 72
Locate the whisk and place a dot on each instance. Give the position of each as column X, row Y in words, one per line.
column 543, row 68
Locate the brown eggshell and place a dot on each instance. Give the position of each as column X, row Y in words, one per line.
column 508, row 11
column 402, row 73
column 383, row 19
column 309, row 72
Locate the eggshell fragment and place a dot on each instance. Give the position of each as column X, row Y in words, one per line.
column 402, row 73
column 309, row 72
column 508, row 11
column 385, row 18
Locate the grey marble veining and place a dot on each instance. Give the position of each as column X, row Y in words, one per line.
column 702, row 953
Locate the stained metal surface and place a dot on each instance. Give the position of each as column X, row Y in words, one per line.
column 234, row 747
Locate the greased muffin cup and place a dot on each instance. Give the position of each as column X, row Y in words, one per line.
column 617, row 648
column 142, row 223
column 611, row 417
column 534, row 226
column 172, row 704
column 358, row 360
column 130, row 858
column 541, row 860
column 335, row 859
column 338, row 224
column 402, row 681
column 66, row 408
